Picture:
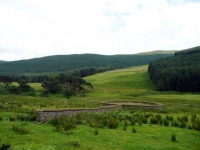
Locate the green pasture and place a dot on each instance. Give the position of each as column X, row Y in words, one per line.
column 131, row 84
column 148, row 136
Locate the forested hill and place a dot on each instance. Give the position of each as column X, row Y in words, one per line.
column 64, row 63
column 1, row 61
column 178, row 73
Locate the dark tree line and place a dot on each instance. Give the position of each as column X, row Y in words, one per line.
column 68, row 85
column 82, row 72
column 178, row 73
column 62, row 83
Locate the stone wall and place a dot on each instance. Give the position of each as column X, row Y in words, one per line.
column 46, row 115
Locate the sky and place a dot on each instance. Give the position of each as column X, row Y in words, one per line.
column 38, row 28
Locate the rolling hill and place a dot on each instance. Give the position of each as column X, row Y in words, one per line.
column 157, row 52
column 64, row 63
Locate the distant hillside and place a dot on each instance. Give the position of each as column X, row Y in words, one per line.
column 158, row 52
column 64, row 63
column 1, row 61
column 178, row 73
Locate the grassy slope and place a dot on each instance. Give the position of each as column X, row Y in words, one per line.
column 127, row 84
column 133, row 84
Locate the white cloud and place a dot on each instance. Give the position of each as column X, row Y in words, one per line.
column 39, row 28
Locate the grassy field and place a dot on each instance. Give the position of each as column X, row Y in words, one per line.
column 124, row 84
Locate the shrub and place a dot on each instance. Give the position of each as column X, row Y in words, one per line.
column 161, row 122
column 74, row 144
column 166, row 122
column 173, row 137
column 125, row 128
column 64, row 123
column 171, row 118
column 153, row 120
column 27, row 117
column 148, row 115
column 196, row 125
column 189, row 127
column 133, row 121
column 96, row 131
column 23, row 117
column 31, row 93
column 175, row 123
column 144, row 120
column 81, row 118
column 4, row 146
column 134, row 130
column 12, row 118
column 112, row 123
column 140, row 122
column 183, row 124
column 1, row 118
column 69, row 132
column 125, row 123
column 20, row 129
column 158, row 117
column 184, row 118
column 97, row 120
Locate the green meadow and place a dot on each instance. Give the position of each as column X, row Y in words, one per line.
column 130, row 84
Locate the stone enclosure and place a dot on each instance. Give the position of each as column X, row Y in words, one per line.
column 45, row 115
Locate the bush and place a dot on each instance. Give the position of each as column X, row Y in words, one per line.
column 193, row 117
column 183, row 124
column 96, row 120
column 144, row 120
column 74, row 144
column 1, row 118
column 112, row 123
column 166, row 122
column 64, row 123
column 158, row 117
column 125, row 123
column 31, row 93
column 171, row 118
column 175, row 123
column 27, row 117
column 4, row 146
column 184, row 118
column 196, row 125
column 3, row 91
column 125, row 128
column 148, row 115
column 134, row 130
column 189, row 127
column 96, row 131
column 153, row 120
column 13, row 89
column 173, row 137
column 167, row 117
column 69, row 132
column 20, row 129
column 82, row 118
column 133, row 121
column 140, row 122
column 12, row 118
column 161, row 122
